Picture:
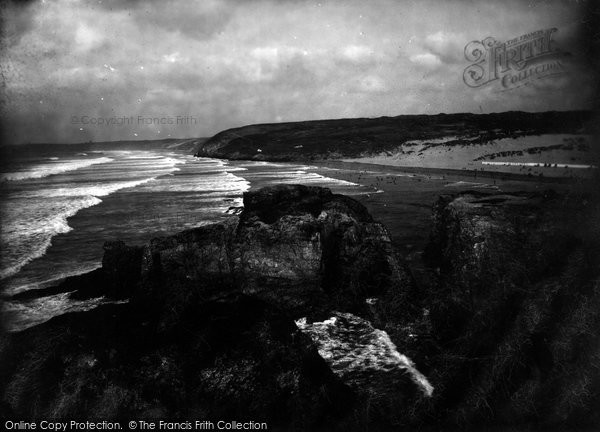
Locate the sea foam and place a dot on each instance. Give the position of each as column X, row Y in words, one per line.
column 45, row 170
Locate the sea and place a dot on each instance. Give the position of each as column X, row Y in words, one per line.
column 59, row 206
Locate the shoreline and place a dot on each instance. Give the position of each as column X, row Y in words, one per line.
column 399, row 197
column 494, row 175
column 403, row 197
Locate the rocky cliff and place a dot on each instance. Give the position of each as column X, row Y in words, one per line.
column 299, row 312
column 207, row 330
column 515, row 316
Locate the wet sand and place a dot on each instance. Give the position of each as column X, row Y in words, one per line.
column 402, row 198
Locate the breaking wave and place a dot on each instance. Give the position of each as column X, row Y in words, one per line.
column 45, row 170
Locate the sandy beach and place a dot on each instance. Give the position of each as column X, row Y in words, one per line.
column 546, row 155
column 402, row 197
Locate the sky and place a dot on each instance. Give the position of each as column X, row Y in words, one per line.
column 103, row 70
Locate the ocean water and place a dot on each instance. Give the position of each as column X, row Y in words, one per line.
column 58, row 208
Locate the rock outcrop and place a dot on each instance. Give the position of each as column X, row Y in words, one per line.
column 299, row 312
column 208, row 329
column 516, row 315
column 301, row 249
column 234, row 358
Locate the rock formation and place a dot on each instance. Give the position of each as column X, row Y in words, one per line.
column 299, row 312
column 516, row 315
column 209, row 327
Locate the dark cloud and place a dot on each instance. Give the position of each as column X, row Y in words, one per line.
column 196, row 20
column 15, row 20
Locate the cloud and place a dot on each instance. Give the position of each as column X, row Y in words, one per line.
column 237, row 62
column 427, row 60
column 357, row 53
column 88, row 38
column 16, row 19
column 448, row 47
column 373, row 84
column 195, row 19
column 174, row 57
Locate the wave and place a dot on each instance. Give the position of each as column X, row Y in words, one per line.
column 303, row 177
column 45, row 170
column 36, row 215
column 253, row 164
column 30, row 237
column 22, row 315
column 33, row 237
column 214, row 165
column 19, row 285
column 95, row 190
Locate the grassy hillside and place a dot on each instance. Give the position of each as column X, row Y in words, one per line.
column 348, row 138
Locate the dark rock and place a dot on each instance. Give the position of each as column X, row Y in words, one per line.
column 116, row 279
column 186, row 269
column 235, row 357
column 299, row 248
column 517, row 311
column 507, row 332
column 121, row 265
column 209, row 329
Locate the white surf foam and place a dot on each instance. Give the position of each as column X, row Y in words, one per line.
column 34, row 217
column 30, row 235
column 217, row 184
column 17, row 286
column 45, row 170
column 22, row 315
column 96, row 190
column 303, row 177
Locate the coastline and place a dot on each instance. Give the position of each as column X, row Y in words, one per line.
column 305, row 282
column 261, row 259
column 474, row 174
column 402, row 197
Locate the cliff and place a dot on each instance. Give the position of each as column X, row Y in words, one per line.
column 208, row 327
column 516, row 313
column 352, row 138
column 299, row 312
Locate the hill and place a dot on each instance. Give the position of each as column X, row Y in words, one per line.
column 353, row 138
